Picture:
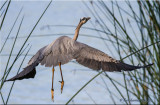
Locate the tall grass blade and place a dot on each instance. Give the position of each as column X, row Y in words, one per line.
column 10, row 30
column 4, row 15
column 17, row 73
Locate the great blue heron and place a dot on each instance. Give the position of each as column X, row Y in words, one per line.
column 64, row 49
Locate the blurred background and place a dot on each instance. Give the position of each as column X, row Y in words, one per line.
column 127, row 31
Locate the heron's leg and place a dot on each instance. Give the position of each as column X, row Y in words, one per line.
column 62, row 82
column 52, row 90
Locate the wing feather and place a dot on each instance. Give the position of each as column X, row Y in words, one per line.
column 96, row 60
column 49, row 55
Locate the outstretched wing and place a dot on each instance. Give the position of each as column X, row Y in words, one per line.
column 96, row 60
column 30, row 70
column 58, row 51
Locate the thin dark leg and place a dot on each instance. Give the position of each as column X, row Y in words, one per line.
column 62, row 82
column 52, row 90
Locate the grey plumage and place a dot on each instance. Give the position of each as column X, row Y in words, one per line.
column 65, row 49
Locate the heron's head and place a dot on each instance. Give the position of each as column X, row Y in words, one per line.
column 84, row 20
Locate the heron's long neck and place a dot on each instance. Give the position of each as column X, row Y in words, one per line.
column 77, row 31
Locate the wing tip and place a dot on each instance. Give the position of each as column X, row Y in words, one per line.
column 11, row 79
column 22, row 75
column 148, row 65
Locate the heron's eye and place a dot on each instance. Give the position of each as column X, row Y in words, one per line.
column 83, row 19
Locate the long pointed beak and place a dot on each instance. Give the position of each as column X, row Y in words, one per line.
column 88, row 18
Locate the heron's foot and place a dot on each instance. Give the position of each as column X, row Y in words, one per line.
column 52, row 94
column 62, row 84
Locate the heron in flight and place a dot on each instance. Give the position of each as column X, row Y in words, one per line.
column 63, row 50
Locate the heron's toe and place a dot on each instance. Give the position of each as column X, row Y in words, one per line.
column 52, row 94
column 62, row 84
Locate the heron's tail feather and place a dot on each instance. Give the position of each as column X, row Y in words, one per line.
column 28, row 72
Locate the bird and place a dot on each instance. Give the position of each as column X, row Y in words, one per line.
column 65, row 49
